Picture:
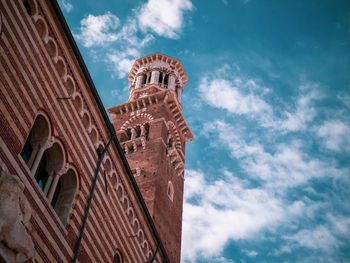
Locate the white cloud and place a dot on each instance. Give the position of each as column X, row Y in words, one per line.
column 226, row 94
column 304, row 111
column 286, row 166
column 98, row 30
column 318, row 238
column 164, row 17
column 340, row 225
column 335, row 135
column 123, row 61
column 228, row 89
column 222, row 260
column 344, row 98
column 128, row 34
column 223, row 210
column 229, row 209
column 250, row 253
column 66, row 5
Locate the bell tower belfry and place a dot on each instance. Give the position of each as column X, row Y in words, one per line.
column 152, row 132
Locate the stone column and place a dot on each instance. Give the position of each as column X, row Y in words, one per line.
column 143, row 130
column 155, row 77
column 171, row 82
column 49, row 142
column 179, row 91
column 57, row 176
column 133, row 134
column 139, row 80
column 48, row 182
column 34, row 153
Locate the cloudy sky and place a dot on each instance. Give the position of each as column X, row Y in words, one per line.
column 268, row 99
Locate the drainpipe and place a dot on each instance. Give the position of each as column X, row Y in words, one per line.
column 100, row 158
column 155, row 253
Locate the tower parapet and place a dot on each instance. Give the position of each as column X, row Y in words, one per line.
column 160, row 71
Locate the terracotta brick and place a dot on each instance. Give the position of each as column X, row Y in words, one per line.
column 159, row 160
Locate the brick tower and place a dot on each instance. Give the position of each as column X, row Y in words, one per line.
column 153, row 132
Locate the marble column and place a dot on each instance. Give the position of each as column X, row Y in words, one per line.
column 139, row 81
column 171, row 82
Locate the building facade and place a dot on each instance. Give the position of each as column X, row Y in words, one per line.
column 55, row 133
column 153, row 132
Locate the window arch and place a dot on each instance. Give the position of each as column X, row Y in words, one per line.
column 63, row 196
column 118, row 258
column 37, row 137
column 45, row 157
column 170, row 191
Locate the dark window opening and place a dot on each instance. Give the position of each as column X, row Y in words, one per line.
column 41, row 174
column 64, row 194
column 27, row 148
column 27, row 7
column 166, row 80
column 117, row 258
column 169, row 191
column 57, row 193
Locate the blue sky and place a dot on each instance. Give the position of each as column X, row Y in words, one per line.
column 268, row 100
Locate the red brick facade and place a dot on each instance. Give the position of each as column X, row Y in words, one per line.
column 52, row 129
column 153, row 133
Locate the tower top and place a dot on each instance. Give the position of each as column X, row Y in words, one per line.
column 158, row 60
column 154, row 73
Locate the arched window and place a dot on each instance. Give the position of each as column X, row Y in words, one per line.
column 170, row 191
column 64, row 194
column 166, row 80
column 117, row 258
column 36, row 139
column 144, row 79
column 46, row 159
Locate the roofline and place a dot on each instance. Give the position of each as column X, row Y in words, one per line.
column 103, row 112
